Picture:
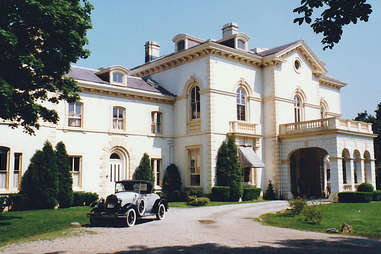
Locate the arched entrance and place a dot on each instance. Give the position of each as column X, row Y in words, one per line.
column 307, row 171
column 118, row 166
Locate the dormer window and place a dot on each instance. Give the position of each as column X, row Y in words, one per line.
column 180, row 45
column 241, row 44
column 117, row 77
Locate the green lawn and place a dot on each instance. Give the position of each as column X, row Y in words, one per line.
column 212, row 203
column 35, row 224
column 363, row 217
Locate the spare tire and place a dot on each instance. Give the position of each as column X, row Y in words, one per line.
column 141, row 207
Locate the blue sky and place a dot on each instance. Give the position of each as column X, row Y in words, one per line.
column 121, row 27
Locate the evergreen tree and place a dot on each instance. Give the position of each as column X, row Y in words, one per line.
column 222, row 168
column 144, row 170
column 40, row 182
column 235, row 170
column 172, row 179
column 269, row 193
column 65, row 181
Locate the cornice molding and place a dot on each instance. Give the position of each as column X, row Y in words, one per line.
column 327, row 81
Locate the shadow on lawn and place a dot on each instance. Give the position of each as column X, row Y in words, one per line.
column 310, row 246
column 5, row 220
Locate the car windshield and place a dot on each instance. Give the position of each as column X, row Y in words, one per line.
column 131, row 186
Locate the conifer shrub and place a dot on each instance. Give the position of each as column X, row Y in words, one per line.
column 269, row 193
column 251, row 193
column 40, row 181
column 19, row 202
column 172, row 179
column 220, row 193
column 65, row 181
column 365, row 187
column 222, row 167
column 144, row 170
column 235, row 171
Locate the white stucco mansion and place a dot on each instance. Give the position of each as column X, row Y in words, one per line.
column 179, row 108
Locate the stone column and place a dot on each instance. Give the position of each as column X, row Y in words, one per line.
column 372, row 176
column 361, row 177
column 351, row 174
column 336, row 174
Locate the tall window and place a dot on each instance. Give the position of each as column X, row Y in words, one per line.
column 156, row 168
column 344, row 159
column 118, row 118
column 195, row 103
column 75, row 114
column 156, row 122
column 323, row 111
column 17, row 170
column 117, row 77
column 3, row 167
column 241, row 104
column 76, row 165
column 298, row 108
column 194, row 167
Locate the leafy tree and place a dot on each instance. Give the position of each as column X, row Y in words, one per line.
column 38, row 41
column 144, row 170
column 334, row 15
column 235, row 170
column 172, row 179
column 222, row 168
column 65, row 181
column 40, row 181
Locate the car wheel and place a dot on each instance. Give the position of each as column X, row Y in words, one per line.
column 160, row 215
column 141, row 207
column 131, row 217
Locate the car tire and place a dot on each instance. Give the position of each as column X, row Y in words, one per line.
column 141, row 207
column 130, row 217
column 160, row 215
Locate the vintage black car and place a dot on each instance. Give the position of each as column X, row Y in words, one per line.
column 132, row 200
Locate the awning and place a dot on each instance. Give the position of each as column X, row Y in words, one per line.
column 249, row 159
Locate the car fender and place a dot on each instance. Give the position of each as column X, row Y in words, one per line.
column 130, row 205
column 157, row 204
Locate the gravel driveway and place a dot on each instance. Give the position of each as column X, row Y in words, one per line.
column 218, row 229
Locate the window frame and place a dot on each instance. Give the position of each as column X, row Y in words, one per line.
column 195, row 104
column 75, row 116
column 19, row 170
column 118, row 73
column 198, row 169
column 118, row 119
column 154, row 163
column 155, row 123
column 6, row 169
column 298, row 108
column 241, row 116
column 72, row 171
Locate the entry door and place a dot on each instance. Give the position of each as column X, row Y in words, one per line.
column 116, row 170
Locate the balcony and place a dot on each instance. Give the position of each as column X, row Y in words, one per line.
column 324, row 125
column 239, row 128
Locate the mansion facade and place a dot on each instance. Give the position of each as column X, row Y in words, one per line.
column 279, row 104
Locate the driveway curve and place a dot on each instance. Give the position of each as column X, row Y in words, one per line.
column 218, row 229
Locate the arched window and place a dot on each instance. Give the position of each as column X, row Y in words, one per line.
column 345, row 161
column 241, row 104
column 367, row 168
column 195, row 103
column 323, row 109
column 357, row 166
column 298, row 108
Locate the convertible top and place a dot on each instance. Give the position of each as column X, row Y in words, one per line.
column 132, row 182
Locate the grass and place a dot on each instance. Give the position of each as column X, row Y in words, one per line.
column 41, row 224
column 363, row 217
column 211, row 203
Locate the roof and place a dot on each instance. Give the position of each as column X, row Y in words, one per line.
column 276, row 49
column 86, row 74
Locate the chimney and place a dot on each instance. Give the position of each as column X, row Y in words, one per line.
column 229, row 29
column 152, row 50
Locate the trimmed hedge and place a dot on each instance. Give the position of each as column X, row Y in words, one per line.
column 377, row 195
column 20, row 202
column 251, row 193
column 4, row 202
column 220, row 193
column 84, row 198
column 355, row 197
column 365, row 187
column 175, row 196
